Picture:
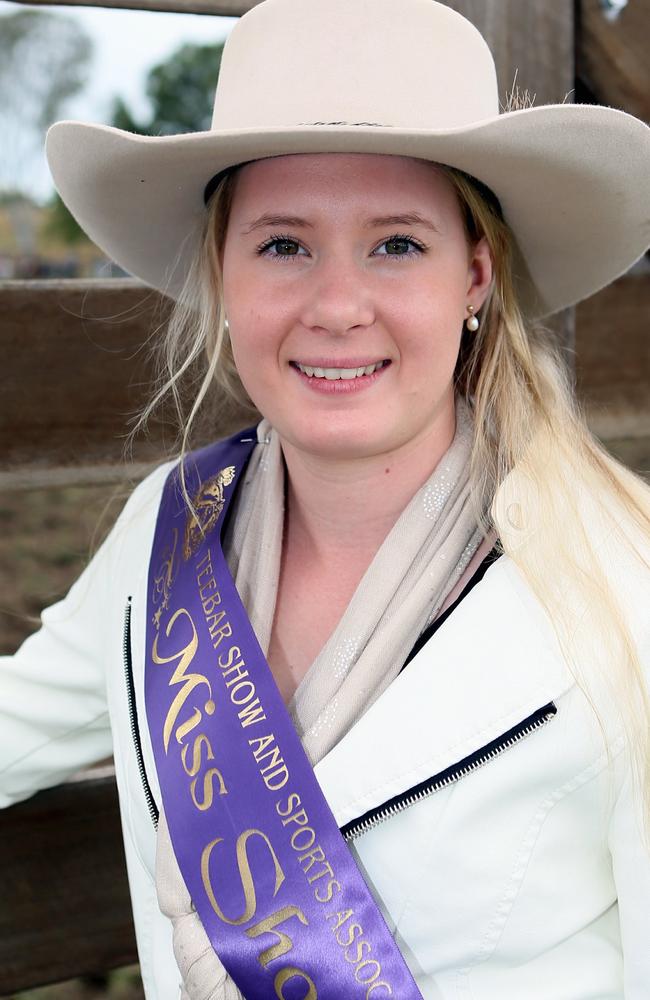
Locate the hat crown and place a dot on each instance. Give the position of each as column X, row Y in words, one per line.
column 416, row 64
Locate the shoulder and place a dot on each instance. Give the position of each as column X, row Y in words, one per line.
column 585, row 541
column 585, row 576
column 137, row 519
column 135, row 526
column 144, row 499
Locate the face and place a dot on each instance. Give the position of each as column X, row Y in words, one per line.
column 345, row 315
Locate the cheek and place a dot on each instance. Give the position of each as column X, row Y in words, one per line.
column 254, row 313
column 432, row 331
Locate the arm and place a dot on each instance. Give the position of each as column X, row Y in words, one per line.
column 631, row 867
column 53, row 716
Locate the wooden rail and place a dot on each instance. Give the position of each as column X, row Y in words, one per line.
column 77, row 368
column 64, row 898
column 613, row 361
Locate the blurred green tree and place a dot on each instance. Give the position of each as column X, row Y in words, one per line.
column 43, row 62
column 181, row 94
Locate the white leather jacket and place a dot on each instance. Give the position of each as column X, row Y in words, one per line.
column 506, row 857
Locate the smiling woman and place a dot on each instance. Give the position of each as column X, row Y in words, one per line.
column 340, row 623
column 352, row 293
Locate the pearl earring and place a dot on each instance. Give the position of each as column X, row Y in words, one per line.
column 472, row 321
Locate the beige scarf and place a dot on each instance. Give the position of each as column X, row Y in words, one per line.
column 415, row 572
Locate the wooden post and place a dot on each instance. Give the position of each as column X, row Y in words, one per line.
column 612, row 56
column 64, row 897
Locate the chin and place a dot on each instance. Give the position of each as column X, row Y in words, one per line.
column 343, row 443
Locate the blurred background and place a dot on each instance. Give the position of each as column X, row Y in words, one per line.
column 146, row 71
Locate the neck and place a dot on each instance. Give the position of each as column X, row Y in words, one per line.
column 343, row 509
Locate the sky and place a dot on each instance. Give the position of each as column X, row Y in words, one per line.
column 127, row 43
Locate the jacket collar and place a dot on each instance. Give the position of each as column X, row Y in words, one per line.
column 493, row 663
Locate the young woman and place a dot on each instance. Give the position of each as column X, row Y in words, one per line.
column 392, row 739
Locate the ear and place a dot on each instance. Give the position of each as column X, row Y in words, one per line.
column 479, row 274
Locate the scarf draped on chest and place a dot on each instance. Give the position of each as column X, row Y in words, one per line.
column 412, row 577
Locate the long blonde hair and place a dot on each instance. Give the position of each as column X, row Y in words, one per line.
column 527, row 425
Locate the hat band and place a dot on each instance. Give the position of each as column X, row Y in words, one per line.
column 212, row 184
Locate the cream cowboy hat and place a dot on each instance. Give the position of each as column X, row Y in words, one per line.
column 371, row 76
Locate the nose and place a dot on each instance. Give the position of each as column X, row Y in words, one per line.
column 339, row 299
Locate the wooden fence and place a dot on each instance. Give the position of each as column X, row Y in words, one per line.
column 75, row 366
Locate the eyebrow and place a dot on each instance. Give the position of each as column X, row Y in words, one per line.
column 406, row 219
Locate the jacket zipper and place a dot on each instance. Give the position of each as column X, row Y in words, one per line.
column 371, row 819
column 363, row 824
column 133, row 715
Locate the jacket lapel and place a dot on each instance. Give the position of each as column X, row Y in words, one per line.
column 492, row 664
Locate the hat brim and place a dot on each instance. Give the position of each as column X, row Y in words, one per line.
column 573, row 182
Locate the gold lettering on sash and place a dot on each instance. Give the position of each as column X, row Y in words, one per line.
column 251, row 713
column 268, row 926
column 201, row 740
column 189, row 681
column 245, row 875
column 356, row 947
column 275, row 773
column 218, row 634
column 380, row 985
column 341, row 917
column 327, row 894
column 208, row 777
column 260, row 743
column 193, row 721
column 208, row 789
column 283, row 977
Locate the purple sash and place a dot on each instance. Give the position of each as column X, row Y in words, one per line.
column 277, row 890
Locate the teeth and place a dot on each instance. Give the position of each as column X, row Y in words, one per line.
column 332, row 374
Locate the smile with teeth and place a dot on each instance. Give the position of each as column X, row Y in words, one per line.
column 339, row 373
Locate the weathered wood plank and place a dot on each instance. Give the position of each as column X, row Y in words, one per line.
column 223, row 8
column 75, row 368
column 533, row 40
column 40, row 477
column 612, row 56
column 613, row 358
column 69, row 381
column 64, row 901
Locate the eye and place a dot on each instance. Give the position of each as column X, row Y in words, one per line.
column 286, row 247
column 397, row 246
